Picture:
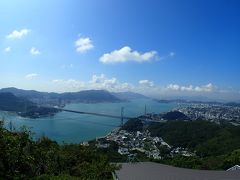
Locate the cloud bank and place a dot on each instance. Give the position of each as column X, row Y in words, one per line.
column 146, row 87
column 146, row 83
column 203, row 88
column 18, row 34
column 127, row 54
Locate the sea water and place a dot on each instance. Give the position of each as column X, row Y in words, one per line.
column 74, row 128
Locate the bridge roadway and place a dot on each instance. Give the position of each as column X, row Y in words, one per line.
column 90, row 113
column 101, row 114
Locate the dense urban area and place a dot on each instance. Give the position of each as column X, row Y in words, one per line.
column 197, row 110
column 212, row 112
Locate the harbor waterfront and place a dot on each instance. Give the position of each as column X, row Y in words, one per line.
column 74, row 128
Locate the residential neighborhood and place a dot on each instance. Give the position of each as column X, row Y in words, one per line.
column 132, row 143
column 211, row 112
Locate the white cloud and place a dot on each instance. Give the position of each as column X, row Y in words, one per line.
column 187, row 88
column 146, row 83
column 174, row 87
column 203, row 88
column 34, row 51
column 96, row 82
column 144, row 86
column 31, row 76
column 111, row 84
column 127, row 54
column 7, row 49
column 69, row 85
column 83, row 44
column 98, row 79
column 101, row 82
column 18, row 34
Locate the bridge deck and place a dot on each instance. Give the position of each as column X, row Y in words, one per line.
column 100, row 114
column 95, row 114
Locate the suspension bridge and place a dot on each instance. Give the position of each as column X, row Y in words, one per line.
column 121, row 116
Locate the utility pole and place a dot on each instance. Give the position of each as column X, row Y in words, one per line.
column 122, row 113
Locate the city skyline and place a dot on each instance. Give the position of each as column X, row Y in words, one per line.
column 160, row 49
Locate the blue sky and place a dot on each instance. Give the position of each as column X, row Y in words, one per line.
column 159, row 48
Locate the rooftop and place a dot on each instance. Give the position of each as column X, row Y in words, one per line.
column 156, row 171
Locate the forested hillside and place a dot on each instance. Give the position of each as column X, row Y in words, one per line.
column 216, row 146
column 23, row 107
column 205, row 137
column 23, row 158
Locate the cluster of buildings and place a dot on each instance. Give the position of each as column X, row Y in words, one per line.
column 131, row 142
column 214, row 112
column 182, row 151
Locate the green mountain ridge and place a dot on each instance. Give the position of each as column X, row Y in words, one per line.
column 86, row 96
column 23, row 107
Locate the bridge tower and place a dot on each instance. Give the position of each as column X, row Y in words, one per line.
column 145, row 110
column 122, row 114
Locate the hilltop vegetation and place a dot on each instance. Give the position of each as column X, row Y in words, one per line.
column 23, row 158
column 9, row 102
column 216, row 146
column 133, row 124
column 23, row 107
column 206, row 138
column 174, row 115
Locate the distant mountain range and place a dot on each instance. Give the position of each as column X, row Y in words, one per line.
column 26, row 102
column 128, row 95
column 87, row 96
